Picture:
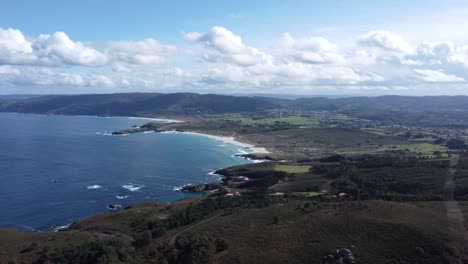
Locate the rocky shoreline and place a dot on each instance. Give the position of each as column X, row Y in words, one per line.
column 201, row 187
column 138, row 129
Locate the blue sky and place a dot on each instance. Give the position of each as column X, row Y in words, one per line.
column 300, row 47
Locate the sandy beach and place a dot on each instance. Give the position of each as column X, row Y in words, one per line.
column 164, row 120
column 226, row 139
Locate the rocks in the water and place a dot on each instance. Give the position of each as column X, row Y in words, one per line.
column 128, row 131
column 138, row 129
column 114, row 206
column 200, row 187
column 253, row 156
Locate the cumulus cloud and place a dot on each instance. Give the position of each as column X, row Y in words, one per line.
column 145, row 52
column 314, row 50
column 43, row 77
column 223, row 45
column 378, row 60
column 14, row 48
column 385, row 40
column 58, row 48
column 288, row 74
column 54, row 49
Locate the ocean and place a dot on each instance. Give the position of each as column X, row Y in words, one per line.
column 55, row 169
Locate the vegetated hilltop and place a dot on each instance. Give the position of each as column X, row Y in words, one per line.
column 137, row 104
column 404, row 109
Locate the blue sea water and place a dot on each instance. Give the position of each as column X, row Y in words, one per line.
column 57, row 169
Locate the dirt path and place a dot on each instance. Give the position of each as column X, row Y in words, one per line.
column 454, row 213
column 174, row 238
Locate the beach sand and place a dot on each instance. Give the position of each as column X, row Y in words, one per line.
column 226, row 139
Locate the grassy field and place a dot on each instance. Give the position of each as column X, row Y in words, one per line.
column 316, row 142
column 376, row 131
column 292, row 168
column 423, row 149
column 121, row 221
column 307, row 194
column 290, row 120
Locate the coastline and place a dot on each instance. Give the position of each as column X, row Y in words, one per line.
column 156, row 119
column 167, row 120
column 226, row 139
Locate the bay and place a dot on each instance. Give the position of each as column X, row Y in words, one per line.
column 58, row 169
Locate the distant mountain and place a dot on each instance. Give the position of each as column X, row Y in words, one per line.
column 405, row 109
column 138, row 104
column 387, row 102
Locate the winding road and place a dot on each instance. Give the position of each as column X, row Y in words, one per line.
column 174, row 238
column 453, row 209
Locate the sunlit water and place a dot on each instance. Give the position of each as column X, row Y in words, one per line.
column 57, row 169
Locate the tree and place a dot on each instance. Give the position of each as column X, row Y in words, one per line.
column 456, row 143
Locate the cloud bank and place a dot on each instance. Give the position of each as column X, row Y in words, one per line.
column 219, row 60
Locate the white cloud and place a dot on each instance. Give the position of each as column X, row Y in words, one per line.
column 379, row 60
column 5, row 69
column 314, row 50
column 385, row 40
column 45, row 77
column 437, row 50
column 58, row 48
column 145, row 52
column 55, row 49
column 223, row 45
column 460, row 56
column 288, row 74
column 14, row 48
column 437, row 76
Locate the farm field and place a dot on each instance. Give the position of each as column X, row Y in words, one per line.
column 292, row 168
column 421, row 149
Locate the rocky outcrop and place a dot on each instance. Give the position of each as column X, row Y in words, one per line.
column 201, row 187
column 135, row 129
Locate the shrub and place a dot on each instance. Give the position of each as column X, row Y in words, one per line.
column 142, row 239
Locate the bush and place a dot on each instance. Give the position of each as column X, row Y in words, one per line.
column 275, row 220
column 199, row 249
column 142, row 239
column 99, row 251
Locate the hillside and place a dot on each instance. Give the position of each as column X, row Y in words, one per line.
column 424, row 110
column 136, row 104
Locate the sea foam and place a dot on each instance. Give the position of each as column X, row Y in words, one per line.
column 133, row 187
column 93, row 187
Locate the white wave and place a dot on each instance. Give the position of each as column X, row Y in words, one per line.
column 212, row 173
column 147, row 132
column 170, row 132
column 242, row 151
column 177, row 188
column 106, row 133
column 58, row 228
column 133, row 187
column 93, row 187
column 121, row 197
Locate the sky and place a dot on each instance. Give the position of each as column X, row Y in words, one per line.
column 355, row 47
